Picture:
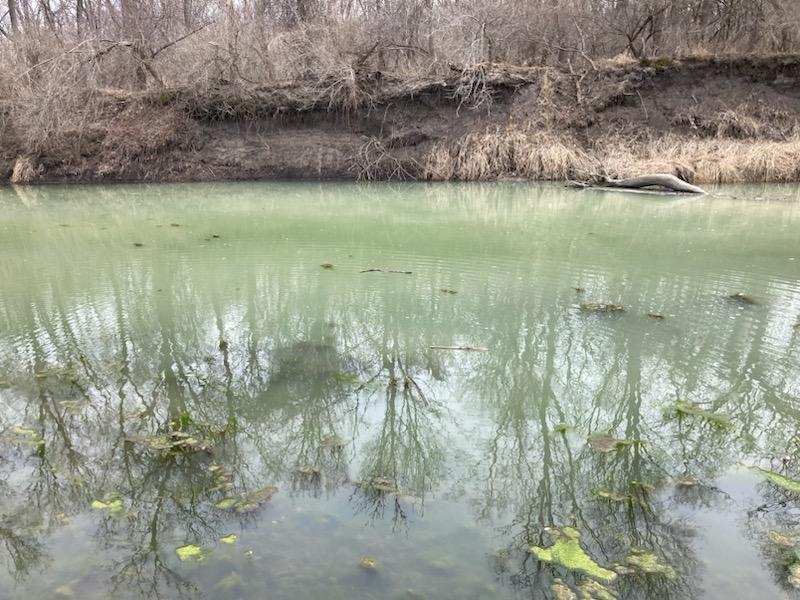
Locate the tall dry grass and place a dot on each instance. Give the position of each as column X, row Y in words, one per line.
column 547, row 156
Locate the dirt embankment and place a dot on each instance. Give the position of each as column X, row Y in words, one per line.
column 704, row 119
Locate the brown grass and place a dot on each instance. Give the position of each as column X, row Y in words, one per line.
column 543, row 156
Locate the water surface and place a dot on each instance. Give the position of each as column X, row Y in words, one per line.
column 135, row 318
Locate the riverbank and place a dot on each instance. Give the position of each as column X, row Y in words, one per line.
column 705, row 119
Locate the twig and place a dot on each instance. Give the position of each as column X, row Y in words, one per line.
column 180, row 39
column 467, row 348
column 386, row 271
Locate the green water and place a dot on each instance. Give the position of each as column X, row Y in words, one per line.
column 130, row 313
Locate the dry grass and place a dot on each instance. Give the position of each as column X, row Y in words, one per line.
column 25, row 170
column 542, row 156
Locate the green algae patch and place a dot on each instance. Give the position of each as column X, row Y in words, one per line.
column 190, row 552
column 112, row 507
column 231, row 538
column 689, row 409
column 649, row 564
column 790, row 485
column 567, row 552
column 605, row 443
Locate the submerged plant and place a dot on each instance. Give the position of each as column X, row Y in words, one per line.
column 592, row 590
column 649, row 564
column 613, row 496
column 561, row 591
column 682, row 409
column 250, row 502
column 790, row 485
column 567, row 552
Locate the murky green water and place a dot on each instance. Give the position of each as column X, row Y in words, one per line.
column 168, row 352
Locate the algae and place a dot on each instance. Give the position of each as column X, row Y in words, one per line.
column 567, row 552
column 690, row 409
column 249, row 502
column 231, row 538
column 790, row 485
column 649, row 563
column 190, row 552
column 112, row 506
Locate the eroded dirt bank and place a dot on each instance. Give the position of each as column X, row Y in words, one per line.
column 704, row 119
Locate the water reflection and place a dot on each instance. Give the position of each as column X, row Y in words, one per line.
column 450, row 465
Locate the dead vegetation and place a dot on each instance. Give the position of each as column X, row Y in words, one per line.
column 544, row 90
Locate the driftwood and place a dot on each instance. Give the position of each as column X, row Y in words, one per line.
column 664, row 181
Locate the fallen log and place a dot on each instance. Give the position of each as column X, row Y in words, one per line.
column 664, row 181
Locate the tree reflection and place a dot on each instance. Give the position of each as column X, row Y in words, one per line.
column 333, row 394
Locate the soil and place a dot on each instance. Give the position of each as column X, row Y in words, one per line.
column 292, row 132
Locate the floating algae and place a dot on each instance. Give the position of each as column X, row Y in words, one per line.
column 190, row 552
column 112, row 507
column 327, row 265
column 648, row 563
column 607, row 443
column 231, row 538
column 787, row 484
column 567, row 552
column 250, row 502
column 368, row 563
column 682, row 409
